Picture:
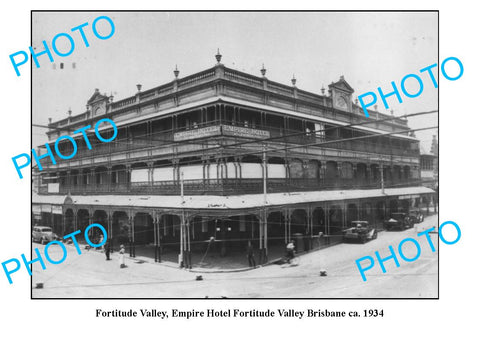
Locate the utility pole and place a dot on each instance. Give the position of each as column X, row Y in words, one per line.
column 181, row 187
column 381, row 179
column 182, row 224
column 264, row 159
column 264, row 214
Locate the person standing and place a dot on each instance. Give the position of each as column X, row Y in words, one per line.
column 100, row 240
column 250, row 256
column 121, row 256
column 290, row 251
column 107, row 249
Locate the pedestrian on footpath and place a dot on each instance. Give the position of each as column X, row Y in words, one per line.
column 107, row 250
column 290, row 251
column 100, row 241
column 250, row 256
column 121, row 256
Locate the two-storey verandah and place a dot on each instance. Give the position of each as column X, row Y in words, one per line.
column 164, row 226
column 216, row 147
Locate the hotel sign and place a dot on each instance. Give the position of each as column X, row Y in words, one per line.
column 208, row 131
column 238, row 131
column 217, row 130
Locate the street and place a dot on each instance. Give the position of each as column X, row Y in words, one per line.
column 90, row 275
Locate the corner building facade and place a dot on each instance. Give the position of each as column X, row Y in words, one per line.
column 220, row 157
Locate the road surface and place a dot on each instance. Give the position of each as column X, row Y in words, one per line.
column 90, row 275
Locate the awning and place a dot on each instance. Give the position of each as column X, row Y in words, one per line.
column 229, row 202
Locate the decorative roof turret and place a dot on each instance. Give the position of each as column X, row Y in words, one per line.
column 263, row 70
column 218, row 56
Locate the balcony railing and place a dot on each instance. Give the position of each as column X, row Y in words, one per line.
column 229, row 186
column 233, row 77
column 282, row 136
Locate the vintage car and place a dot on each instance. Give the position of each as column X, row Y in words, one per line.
column 359, row 231
column 398, row 220
column 416, row 216
column 43, row 234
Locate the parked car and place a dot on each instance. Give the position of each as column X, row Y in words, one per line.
column 43, row 234
column 416, row 216
column 359, row 231
column 398, row 221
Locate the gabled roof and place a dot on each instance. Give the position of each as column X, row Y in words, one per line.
column 96, row 97
column 342, row 85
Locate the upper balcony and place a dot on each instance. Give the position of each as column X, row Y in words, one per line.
column 229, row 139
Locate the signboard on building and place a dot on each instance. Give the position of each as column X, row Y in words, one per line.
column 217, row 130
column 53, row 188
column 57, row 209
column 197, row 133
column 239, row 131
column 407, row 197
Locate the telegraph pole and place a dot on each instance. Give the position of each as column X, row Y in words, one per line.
column 264, row 159
column 264, row 215
column 181, row 187
column 382, row 184
column 182, row 225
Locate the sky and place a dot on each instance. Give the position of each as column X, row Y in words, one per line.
column 370, row 49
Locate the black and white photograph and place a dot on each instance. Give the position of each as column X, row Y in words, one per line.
column 244, row 155
column 209, row 170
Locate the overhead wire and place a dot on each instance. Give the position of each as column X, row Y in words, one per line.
column 296, row 146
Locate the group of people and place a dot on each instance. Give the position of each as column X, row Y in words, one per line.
column 289, row 253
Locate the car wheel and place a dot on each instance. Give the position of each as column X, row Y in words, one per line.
column 374, row 235
column 42, row 241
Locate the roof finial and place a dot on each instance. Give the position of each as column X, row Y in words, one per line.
column 218, row 56
column 323, row 89
column 294, row 81
column 69, row 112
column 176, row 72
column 263, row 70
